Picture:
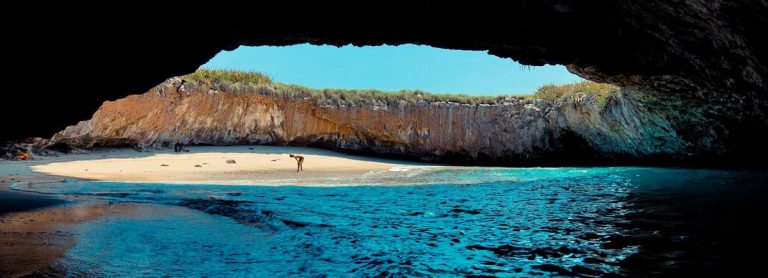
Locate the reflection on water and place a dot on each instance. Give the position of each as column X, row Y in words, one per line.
column 475, row 221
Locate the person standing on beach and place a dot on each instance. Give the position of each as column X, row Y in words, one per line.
column 299, row 161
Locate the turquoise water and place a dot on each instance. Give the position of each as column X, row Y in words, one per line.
column 476, row 221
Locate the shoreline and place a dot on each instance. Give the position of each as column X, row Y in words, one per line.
column 53, row 219
column 37, row 229
column 234, row 165
column 39, row 240
column 255, row 166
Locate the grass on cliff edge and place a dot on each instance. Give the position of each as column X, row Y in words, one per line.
column 237, row 82
column 552, row 92
column 208, row 77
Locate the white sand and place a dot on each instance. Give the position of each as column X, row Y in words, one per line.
column 260, row 165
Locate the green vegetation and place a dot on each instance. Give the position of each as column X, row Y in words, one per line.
column 551, row 92
column 239, row 82
column 340, row 97
column 234, row 81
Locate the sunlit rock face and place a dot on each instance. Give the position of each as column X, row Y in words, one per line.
column 573, row 129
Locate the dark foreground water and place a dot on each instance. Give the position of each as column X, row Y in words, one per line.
column 485, row 222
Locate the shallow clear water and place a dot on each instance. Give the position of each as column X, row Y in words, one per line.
column 476, row 221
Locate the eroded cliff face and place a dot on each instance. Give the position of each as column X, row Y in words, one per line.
column 516, row 131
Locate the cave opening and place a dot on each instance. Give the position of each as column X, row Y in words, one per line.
column 702, row 64
column 411, row 101
column 631, row 122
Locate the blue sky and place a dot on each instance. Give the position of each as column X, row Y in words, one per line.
column 392, row 68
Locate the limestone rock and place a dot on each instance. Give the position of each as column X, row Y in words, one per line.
column 571, row 130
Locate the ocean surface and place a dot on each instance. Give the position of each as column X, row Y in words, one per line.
column 503, row 222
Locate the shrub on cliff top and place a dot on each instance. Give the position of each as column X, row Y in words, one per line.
column 553, row 92
column 212, row 76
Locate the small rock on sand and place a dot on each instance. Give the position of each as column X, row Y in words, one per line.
column 198, row 165
column 231, row 161
column 164, row 165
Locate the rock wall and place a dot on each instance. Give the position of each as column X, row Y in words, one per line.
column 574, row 129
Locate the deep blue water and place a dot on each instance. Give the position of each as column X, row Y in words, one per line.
column 476, row 221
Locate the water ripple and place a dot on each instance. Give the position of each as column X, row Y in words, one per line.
column 486, row 222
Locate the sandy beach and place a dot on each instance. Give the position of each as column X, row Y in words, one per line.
column 240, row 165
